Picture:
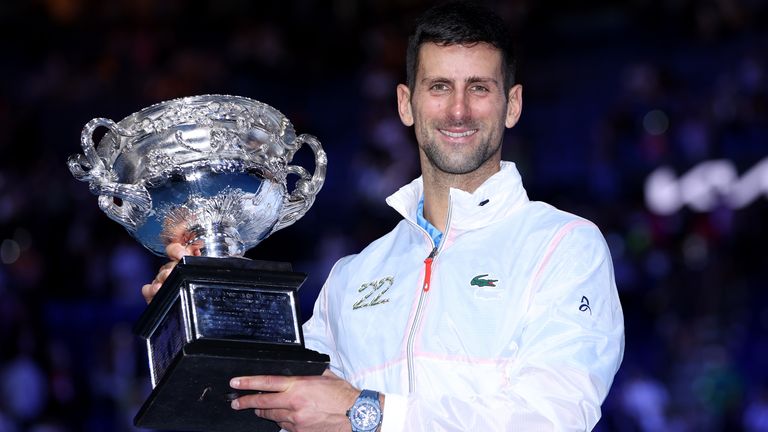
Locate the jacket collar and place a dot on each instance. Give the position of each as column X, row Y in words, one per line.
column 503, row 192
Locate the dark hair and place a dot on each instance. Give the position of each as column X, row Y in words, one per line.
column 465, row 23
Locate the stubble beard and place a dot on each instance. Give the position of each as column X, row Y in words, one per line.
column 456, row 162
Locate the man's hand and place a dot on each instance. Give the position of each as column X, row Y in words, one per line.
column 299, row 403
column 175, row 252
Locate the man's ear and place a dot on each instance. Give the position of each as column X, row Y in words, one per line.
column 404, row 104
column 514, row 105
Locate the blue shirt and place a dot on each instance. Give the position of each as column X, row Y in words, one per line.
column 433, row 232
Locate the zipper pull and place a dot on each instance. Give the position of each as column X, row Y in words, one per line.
column 428, row 269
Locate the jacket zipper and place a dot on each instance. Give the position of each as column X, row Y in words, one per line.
column 428, row 269
column 424, row 290
column 422, row 294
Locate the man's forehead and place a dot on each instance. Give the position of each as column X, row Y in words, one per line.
column 478, row 59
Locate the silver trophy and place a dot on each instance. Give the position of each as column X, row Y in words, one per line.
column 210, row 171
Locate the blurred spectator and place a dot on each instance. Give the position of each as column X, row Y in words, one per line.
column 756, row 413
column 646, row 401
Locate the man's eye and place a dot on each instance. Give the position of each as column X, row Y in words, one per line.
column 439, row 87
column 479, row 89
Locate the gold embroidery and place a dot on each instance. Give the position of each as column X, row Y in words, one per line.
column 380, row 286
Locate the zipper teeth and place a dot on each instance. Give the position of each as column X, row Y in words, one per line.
column 411, row 383
column 416, row 319
column 422, row 293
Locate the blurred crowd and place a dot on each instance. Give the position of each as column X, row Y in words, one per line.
column 612, row 92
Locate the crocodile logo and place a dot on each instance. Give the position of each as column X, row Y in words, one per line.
column 480, row 281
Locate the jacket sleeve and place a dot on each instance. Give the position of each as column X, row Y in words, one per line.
column 317, row 331
column 570, row 349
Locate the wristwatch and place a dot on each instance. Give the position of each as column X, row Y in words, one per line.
column 365, row 414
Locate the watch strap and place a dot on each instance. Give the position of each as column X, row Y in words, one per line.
column 370, row 394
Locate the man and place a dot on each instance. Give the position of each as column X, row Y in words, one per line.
column 481, row 310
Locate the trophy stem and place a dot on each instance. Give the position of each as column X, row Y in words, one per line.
column 217, row 240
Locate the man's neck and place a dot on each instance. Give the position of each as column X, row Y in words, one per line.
column 437, row 186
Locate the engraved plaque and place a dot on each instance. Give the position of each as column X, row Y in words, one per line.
column 245, row 313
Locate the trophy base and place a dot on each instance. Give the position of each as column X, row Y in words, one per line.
column 194, row 393
column 212, row 320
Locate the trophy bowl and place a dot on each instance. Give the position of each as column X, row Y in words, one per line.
column 209, row 171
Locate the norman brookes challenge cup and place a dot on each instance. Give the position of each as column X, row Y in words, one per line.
column 210, row 171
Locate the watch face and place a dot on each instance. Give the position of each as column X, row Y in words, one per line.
column 365, row 416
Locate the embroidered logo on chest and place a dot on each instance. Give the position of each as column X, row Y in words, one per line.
column 483, row 281
column 373, row 292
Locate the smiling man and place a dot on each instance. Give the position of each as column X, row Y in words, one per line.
column 470, row 314
column 459, row 104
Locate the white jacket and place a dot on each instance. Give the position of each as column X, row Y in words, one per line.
column 519, row 328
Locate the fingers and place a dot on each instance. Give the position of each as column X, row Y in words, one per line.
column 298, row 402
column 263, row 401
column 268, row 383
column 273, row 385
column 176, row 251
column 163, row 273
column 149, row 290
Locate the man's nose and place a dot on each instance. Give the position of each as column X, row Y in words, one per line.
column 458, row 107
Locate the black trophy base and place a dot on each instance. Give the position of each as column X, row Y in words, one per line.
column 212, row 320
column 194, row 394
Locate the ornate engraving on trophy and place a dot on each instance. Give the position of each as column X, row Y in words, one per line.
column 157, row 161
column 224, row 140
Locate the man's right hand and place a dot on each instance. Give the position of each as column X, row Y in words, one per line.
column 175, row 252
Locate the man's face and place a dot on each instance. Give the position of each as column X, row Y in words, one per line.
column 459, row 108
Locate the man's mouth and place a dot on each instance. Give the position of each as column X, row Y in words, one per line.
column 461, row 134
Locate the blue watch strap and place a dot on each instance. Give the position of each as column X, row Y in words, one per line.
column 371, row 394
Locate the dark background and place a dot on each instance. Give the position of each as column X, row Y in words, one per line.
column 612, row 92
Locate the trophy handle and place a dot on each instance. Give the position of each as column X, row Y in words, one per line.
column 92, row 167
column 134, row 200
column 303, row 195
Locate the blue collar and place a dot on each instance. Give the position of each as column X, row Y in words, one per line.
column 433, row 232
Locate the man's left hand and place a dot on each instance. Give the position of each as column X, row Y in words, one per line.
column 299, row 403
